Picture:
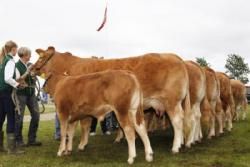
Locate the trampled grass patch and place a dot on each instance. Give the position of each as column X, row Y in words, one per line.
column 230, row 150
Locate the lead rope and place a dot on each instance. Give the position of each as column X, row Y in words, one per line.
column 16, row 101
column 37, row 86
column 38, row 96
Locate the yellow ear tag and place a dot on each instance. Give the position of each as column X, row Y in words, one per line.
column 43, row 76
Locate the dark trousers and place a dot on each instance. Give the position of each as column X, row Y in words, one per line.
column 94, row 123
column 32, row 104
column 7, row 108
column 57, row 127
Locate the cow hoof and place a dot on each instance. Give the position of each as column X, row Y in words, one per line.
column 68, row 153
column 188, row 145
column 59, row 154
column 80, row 149
column 117, row 141
column 175, row 151
column 149, row 158
column 131, row 161
column 65, row 153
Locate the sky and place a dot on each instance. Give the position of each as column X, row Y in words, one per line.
column 189, row 28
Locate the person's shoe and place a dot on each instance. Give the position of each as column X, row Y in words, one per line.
column 12, row 149
column 107, row 133
column 92, row 134
column 35, row 143
column 2, row 149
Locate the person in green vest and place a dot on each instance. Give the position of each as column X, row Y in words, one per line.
column 7, row 84
column 27, row 98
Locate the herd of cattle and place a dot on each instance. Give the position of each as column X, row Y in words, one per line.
column 146, row 93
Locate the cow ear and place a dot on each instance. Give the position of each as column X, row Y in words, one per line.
column 51, row 50
column 40, row 52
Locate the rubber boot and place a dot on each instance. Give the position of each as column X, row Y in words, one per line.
column 1, row 142
column 12, row 149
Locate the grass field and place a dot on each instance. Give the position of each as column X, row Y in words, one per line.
column 230, row 150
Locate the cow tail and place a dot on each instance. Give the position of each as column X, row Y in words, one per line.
column 140, row 112
column 187, row 104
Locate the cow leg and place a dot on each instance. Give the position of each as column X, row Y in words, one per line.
column 85, row 126
column 229, row 119
column 71, row 132
column 189, row 127
column 119, row 136
column 220, row 115
column 197, row 133
column 147, row 120
column 244, row 109
column 237, row 112
column 212, row 126
column 219, row 118
column 176, row 117
column 130, row 135
column 64, row 123
column 142, row 132
column 127, row 126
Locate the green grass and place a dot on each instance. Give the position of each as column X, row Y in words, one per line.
column 230, row 150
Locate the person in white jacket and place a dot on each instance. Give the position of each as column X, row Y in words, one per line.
column 7, row 84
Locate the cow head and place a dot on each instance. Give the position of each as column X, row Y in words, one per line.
column 45, row 56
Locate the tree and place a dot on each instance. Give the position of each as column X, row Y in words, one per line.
column 202, row 62
column 237, row 68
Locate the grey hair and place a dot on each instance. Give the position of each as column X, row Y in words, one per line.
column 22, row 51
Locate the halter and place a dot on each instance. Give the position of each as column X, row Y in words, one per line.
column 46, row 81
column 45, row 62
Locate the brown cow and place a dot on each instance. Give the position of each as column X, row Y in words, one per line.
column 240, row 100
column 96, row 94
column 226, row 98
column 197, row 89
column 163, row 79
column 209, row 112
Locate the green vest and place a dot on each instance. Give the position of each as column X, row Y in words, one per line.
column 28, row 91
column 3, row 85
